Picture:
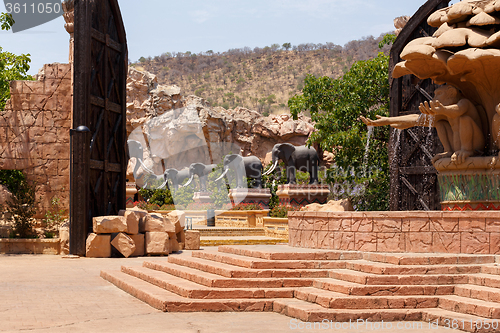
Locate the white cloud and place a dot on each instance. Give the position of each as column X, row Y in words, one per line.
column 200, row 16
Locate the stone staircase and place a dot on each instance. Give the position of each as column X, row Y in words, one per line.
column 459, row 291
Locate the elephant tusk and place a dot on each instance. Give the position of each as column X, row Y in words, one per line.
column 272, row 168
column 189, row 181
column 162, row 186
column 223, row 174
column 145, row 167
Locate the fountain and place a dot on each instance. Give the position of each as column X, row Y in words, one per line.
column 462, row 57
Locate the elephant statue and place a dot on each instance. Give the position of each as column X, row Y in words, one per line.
column 249, row 166
column 175, row 177
column 300, row 158
column 135, row 150
column 202, row 171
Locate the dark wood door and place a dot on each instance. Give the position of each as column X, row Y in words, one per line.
column 99, row 158
column 413, row 178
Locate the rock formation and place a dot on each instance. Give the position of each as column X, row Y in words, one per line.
column 176, row 131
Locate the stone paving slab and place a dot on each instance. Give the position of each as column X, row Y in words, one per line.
column 51, row 294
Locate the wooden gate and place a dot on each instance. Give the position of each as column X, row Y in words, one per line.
column 413, row 178
column 98, row 152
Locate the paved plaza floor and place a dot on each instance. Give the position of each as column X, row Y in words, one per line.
column 56, row 294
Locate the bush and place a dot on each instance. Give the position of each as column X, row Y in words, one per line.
column 247, row 206
column 22, row 207
column 54, row 217
column 282, row 211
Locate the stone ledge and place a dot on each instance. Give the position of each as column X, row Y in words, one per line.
column 29, row 246
column 468, row 232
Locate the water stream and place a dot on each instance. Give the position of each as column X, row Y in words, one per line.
column 367, row 147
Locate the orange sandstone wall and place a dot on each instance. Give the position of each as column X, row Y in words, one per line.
column 34, row 132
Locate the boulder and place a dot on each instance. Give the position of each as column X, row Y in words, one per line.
column 154, row 222
column 5, row 195
column 192, row 241
column 331, row 206
column 124, row 244
column 133, row 218
column 139, row 245
column 157, row 243
column 181, row 236
column 109, row 224
column 98, row 246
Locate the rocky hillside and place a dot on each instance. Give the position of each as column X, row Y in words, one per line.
column 262, row 79
column 176, row 131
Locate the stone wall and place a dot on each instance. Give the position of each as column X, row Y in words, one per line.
column 469, row 232
column 34, row 132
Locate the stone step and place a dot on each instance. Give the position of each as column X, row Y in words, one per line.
column 286, row 253
column 257, row 263
column 376, row 279
column 486, row 280
column 391, row 269
column 495, row 270
column 239, row 240
column 189, row 289
column 231, row 271
column 478, row 292
column 470, row 306
column 452, row 320
column 214, row 231
column 334, row 300
column 167, row 301
column 311, row 312
column 429, row 259
column 356, row 289
column 217, row 281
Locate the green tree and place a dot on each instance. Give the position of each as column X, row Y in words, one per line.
column 12, row 67
column 287, row 46
column 335, row 106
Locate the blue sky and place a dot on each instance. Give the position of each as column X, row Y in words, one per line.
column 157, row 26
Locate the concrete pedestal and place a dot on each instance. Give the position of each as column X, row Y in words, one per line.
column 202, row 197
column 302, row 195
column 260, row 196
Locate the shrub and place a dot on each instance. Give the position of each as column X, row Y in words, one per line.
column 247, row 206
column 22, row 207
column 54, row 217
column 282, row 211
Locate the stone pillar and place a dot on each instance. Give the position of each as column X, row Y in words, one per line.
column 69, row 18
column 131, row 190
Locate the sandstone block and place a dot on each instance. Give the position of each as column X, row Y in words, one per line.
column 181, row 236
column 178, row 218
column 157, row 243
column 192, row 240
column 133, row 219
column 174, row 245
column 109, row 224
column 98, row 246
column 154, row 223
column 170, row 229
column 124, row 244
column 64, row 238
column 139, row 245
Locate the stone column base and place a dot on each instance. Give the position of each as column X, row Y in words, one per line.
column 130, row 191
column 202, row 197
column 260, row 196
column 302, row 195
